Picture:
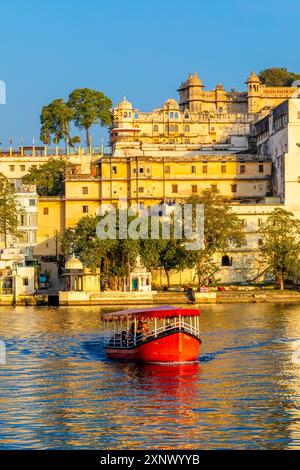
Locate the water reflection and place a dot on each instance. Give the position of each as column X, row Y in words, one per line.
column 58, row 390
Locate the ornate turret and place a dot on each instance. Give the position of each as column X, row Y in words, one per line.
column 190, row 93
column 254, row 87
column 253, row 78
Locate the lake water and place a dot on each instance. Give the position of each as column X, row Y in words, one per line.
column 59, row 391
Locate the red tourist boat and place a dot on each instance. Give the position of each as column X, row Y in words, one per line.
column 156, row 334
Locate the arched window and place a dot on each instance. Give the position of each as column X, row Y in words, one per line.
column 172, row 128
column 187, row 128
column 155, row 128
column 136, row 115
column 176, row 115
column 186, row 116
column 125, row 114
column 220, row 110
column 226, row 261
column 171, row 114
column 129, row 114
column 176, row 128
column 166, row 127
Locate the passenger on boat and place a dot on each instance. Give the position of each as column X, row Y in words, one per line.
column 146, row 328
column 139, row 330
column 124, row 338
column 131, row 330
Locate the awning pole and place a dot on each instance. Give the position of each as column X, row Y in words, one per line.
column 134, row 335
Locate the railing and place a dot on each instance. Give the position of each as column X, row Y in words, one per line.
column 124, row 339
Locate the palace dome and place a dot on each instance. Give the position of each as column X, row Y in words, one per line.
column 73, row 263
column 253, row 78
column 194, row 79
column 124, row 105
column 171, row 104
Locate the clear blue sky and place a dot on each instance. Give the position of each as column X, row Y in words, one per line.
column 138, row 49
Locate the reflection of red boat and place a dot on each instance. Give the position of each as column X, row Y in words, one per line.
column 156, row 334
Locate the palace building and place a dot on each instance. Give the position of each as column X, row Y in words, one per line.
column 244, row 144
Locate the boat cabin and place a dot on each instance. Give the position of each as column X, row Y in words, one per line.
column 131, row 328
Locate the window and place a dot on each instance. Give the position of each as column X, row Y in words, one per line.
column 174, row 188
column 214, row 187
column 166, row 128
column 187, row 141
column 136, row 115
column 176, row 115
column 12, row 167
column 33, row 220
column 186, row 116
column 155, row 128
column 141, row 170
column 261, row 168
column 194, row 188
column 233, row 188
column 85, row 209
column 25, row 281
column 22, row 167
column 193, row 169
column 32, row 202
column 167, row 169
column 114, row 170
column 204, row 169
column 22, row 219
column 85, row 190
column 242, row 169
column 46, row 210
column 223, row 168
column 259, row 222
column 171, row 115
column 226, row 261
column 220, row 110
column 141, row 189
column 171, row 128
column 187, row 128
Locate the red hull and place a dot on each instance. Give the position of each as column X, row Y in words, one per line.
column 176, row 347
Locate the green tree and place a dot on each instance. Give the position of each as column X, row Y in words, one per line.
column 222, row 230
column 280, row 244
column 277, row 76
column 49, row 177
column 90, row 107
column 168, row 254
column 115, row 257
column 9, row 209
column 55, row 122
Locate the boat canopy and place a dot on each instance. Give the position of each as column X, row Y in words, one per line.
column 151, row 312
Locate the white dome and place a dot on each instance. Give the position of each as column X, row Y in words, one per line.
column 124, row 104
column 73, row 263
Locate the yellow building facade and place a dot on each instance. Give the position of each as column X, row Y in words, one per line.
column 164, row 156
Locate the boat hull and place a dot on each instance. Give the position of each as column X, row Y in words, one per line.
column 176, row 347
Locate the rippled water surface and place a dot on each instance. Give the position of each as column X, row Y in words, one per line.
column 59, row 391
